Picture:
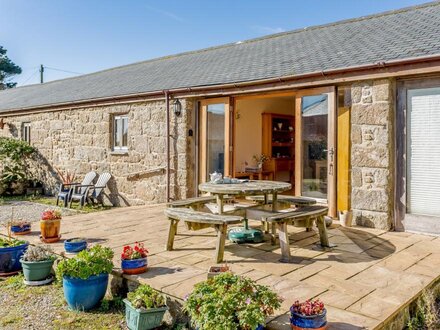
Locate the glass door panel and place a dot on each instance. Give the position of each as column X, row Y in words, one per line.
column 315, row 145
column 314, row 112
column 215, row 134
column 214, row 137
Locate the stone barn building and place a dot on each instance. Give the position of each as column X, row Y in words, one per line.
column 348, row 112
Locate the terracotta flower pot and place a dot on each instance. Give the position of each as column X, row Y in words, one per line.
column 50, row 230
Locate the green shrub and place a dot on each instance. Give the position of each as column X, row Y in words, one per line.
column 13, row 156
column 15, row 149
column 97, row 260
column 426, row 314
column 229, row 302
column 5, row 242
column 145, row 297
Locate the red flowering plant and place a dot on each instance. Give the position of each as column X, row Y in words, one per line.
column 308, row 307
column 138, row 251
column 51, row 215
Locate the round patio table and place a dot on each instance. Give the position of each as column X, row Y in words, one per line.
column 249, row 188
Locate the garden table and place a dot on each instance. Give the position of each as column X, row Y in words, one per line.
column 249, row 188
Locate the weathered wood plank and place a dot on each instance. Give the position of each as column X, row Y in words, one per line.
column 171, row 234
column 246, row 188
column 192, row 201
column 300, row 214
column 295, row 200
column 189, row 215
column 320, row 222
column 284, row 241
column 220, row 245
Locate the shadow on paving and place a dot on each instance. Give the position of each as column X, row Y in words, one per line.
column 353, row 246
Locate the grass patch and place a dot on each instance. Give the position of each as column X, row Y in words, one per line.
column 26, row 303
column 14, row 282
column 51, row 201
column 10, row 319
column 89, row 320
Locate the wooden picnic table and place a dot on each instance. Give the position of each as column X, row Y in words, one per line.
column 249, row 188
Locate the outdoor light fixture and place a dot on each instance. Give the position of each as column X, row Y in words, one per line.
column 177, row 107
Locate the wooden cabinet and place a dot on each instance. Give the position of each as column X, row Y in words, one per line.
column 278, row 142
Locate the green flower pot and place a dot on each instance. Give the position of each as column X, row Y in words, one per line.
column 36, row 270
column 143, row 319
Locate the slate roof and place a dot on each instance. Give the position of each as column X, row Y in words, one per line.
column 406, row 33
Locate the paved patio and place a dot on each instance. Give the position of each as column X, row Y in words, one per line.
column 364, row 281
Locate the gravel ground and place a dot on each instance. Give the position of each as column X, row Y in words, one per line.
column 28, row 210
column 43, row 307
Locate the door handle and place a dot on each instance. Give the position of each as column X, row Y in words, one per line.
column 331, row 153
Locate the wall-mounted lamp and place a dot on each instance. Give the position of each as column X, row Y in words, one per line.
column 177, row 107
column 2, row 123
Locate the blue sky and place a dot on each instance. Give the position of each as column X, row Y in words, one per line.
column 84, row 36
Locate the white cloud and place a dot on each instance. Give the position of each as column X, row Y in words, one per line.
column 267, row 29
column 167, row 14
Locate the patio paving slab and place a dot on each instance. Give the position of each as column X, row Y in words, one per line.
column 363, row 281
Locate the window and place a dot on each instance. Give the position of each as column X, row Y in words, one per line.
column 26, row 132
column 120, row 133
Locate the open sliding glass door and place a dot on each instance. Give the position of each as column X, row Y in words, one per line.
column 215, row 137
column 315, row 148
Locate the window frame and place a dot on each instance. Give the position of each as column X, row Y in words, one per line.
column 26, row 131
column 402, row 220
column 116, row 132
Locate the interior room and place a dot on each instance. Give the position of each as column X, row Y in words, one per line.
column 266, row 125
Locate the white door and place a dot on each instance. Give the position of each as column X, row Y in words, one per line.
column 423, row 151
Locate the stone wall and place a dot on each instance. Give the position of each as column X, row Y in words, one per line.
column 372, row 115
column 80, row 140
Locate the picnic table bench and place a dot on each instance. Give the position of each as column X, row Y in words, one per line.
column 283, row 202
column 219, row 222
column 194, row 203
column 303, row 217
column 293, row 200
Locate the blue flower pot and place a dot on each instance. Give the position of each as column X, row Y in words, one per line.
column 21, row 230
column 74, row 247
column 84, row 294
column 134, row 266
column 300, row 322
column 10, row 258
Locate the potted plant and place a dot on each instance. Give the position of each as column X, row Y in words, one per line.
column 260, row 160
column 144, row 308
column 244, row 303
column 217, row 270
column 20, row 227
column 37, row 264
column 134, row 259
column 50, row 224
column 85, row 277
column 308, row 315
column 11, row 251
column 75, row 245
